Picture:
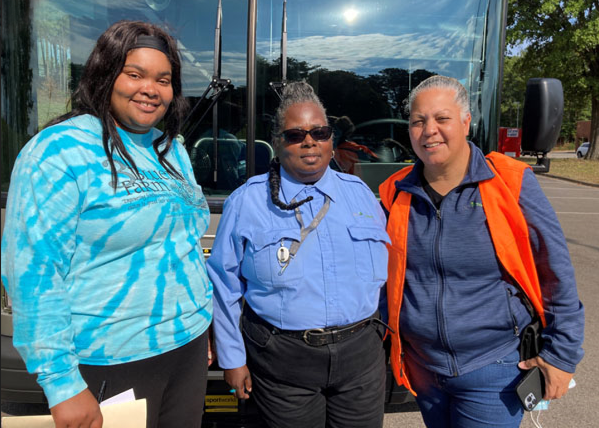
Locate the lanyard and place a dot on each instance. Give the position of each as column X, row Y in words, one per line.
column 285, row 255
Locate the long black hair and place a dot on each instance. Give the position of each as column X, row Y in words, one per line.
column 293, row 93
column 94, row 91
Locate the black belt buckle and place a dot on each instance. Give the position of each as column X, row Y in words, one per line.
column 311, row 331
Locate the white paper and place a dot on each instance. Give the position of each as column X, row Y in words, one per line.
column 131, row 414
column 123, row 397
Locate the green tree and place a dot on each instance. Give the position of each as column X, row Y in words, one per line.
column 345, row 93
column 562, row 40
column 516, row 72
column 512, row 92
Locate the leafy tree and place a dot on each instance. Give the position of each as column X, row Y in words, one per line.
column 516, row 72
column 345, row 93
column 395, row 84
column 270, row 71
column 562, row 40
column 513, row 89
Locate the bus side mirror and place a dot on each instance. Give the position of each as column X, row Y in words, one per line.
column 542, row 119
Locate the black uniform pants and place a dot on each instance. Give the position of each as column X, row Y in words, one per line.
column 340, row 385
column 173, row 383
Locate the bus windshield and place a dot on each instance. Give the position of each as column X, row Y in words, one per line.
column 363, row 58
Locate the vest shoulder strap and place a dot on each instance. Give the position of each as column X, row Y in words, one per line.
column 510, row 170
column 388, row 191
column 508, row 227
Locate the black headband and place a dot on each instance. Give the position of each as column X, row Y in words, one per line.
column 151, row 42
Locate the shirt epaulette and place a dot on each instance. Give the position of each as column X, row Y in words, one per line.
column 257, row 179
column 348, row 177
column 351, row 179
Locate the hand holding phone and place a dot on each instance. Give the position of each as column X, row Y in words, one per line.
column 531, row 388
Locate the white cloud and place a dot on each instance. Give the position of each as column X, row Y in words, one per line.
column 368, row 51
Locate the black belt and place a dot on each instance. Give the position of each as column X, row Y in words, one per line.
column 315, row 336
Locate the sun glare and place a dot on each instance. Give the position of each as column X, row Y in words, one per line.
column 350, row 15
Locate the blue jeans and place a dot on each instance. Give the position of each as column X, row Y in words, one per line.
column 482, row 398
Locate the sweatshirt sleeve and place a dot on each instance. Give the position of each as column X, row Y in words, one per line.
column 563, row 310
column 37, row 245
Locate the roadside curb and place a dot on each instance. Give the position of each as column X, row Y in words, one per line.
column 571, row 180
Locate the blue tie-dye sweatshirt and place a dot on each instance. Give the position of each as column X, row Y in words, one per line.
column 98, row 276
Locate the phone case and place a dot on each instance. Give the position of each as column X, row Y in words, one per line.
column 531, row 388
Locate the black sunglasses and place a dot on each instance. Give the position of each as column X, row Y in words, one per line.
column 294, row 136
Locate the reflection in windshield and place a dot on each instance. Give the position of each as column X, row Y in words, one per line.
column 364, row 60
column 399, row 34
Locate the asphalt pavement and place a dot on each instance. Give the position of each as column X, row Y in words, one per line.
column 577, row 208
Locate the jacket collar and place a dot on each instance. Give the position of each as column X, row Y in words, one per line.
column 478, row 170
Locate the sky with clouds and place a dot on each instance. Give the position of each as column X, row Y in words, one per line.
column 359, row 36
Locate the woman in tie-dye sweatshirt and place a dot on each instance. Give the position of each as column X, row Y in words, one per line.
column 101, row 247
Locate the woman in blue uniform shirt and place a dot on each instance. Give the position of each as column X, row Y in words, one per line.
column 305, row 247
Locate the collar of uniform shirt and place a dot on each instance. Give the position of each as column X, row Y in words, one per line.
column 291, row 188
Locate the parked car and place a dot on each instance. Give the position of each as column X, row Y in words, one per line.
column 582, row 150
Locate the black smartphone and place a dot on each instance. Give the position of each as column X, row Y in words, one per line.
column 531, row 389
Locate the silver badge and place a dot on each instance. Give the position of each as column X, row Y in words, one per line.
column 282, row 254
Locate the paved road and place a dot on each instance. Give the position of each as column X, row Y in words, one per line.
column 561, row 154
column 577, row 208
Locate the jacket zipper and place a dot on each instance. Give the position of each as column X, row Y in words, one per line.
column 442, row 329
column 509, row 308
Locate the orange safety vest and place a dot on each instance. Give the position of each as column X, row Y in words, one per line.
column 507, row 227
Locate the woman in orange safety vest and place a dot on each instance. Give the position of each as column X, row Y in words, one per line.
column 475, row 243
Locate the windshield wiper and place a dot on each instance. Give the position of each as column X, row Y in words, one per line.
column 216, row 88
column 278, row 86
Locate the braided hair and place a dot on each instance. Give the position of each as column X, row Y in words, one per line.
column 293, row 93
column 274, row 184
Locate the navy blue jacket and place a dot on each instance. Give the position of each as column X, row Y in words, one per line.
column 460, row 311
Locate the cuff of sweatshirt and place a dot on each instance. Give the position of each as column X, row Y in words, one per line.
column 61, row 388
column 556, row 362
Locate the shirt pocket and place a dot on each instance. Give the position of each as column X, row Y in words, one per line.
column 265, row 245
column 370, row 252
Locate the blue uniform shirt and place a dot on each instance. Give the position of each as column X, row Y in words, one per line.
column 334, row 279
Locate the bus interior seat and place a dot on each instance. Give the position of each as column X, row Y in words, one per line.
column 231, row 161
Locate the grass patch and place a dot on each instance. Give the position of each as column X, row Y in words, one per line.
column 584, row 170
column 565, row 147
